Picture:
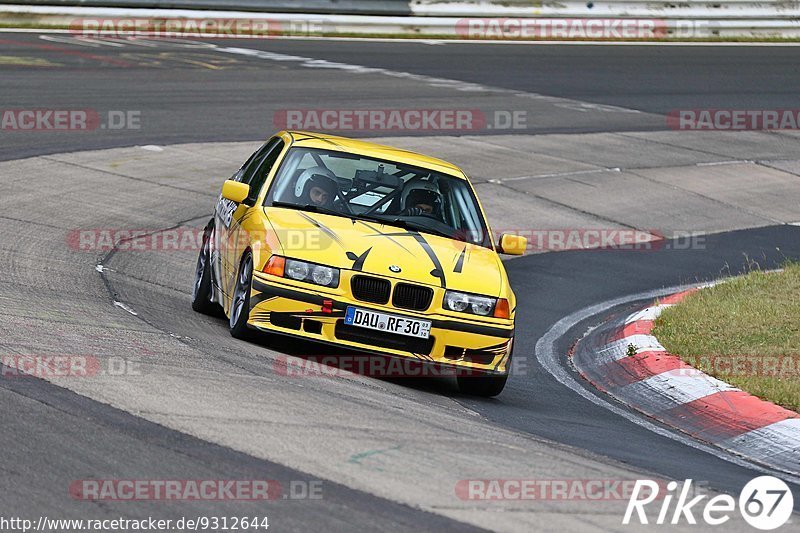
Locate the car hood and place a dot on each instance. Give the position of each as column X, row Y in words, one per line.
column 375, row 248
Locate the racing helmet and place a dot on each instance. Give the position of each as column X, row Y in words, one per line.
column 421, row 192
column 320, row 177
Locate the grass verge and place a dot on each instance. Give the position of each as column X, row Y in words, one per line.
column 745, row 331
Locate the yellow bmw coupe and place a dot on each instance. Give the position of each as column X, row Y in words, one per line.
column 362, row 246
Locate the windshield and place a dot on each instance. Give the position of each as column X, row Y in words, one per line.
column 363, row 188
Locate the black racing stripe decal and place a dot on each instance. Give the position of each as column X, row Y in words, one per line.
column 398, row 234
column 437, row 271
column 506, row 357
column 317, row 299
column 387, row 235
column 250, row 213
column 329, row 232
column 460, row 262
column 259, row 298
column 494, row 348
column 307, row 136
column 500, row 362
column 358, row 260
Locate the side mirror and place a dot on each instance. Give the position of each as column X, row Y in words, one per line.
column 235, row 191
column 512, row 244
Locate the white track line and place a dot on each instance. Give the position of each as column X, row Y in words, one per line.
column 548, row 357
column 457, row 85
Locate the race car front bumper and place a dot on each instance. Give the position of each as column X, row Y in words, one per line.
column 280, row 306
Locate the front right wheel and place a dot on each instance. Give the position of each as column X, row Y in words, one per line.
column 486, row 385
column 240, row 306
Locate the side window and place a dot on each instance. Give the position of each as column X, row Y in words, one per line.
column 264, row 166
column 245, row 173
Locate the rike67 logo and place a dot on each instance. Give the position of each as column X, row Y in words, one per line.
column 766, row 503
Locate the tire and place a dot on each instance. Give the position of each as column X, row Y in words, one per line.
column 201, row 292
column 486, row 386
column 240, row 305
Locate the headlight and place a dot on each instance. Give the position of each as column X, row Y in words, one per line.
column 481, row 305
column 312, row 273
column 469, row 303
column 297, row 269
column 322, row 275
column 456, row 301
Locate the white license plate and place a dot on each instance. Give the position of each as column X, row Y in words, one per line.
column 364, row 318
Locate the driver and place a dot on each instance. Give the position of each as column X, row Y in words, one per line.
column 422, row 199
column 318, row 190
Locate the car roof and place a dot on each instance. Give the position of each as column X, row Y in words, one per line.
column 379, row 151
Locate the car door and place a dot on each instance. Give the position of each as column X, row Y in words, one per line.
column 255, row 174
column 223, row 218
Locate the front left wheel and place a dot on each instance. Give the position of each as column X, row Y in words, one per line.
column 240, row 306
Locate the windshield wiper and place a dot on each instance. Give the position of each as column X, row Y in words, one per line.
column 400, row 222
column 405, row 224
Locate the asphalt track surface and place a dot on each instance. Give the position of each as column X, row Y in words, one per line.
column 52, row 436
column 196, row 94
